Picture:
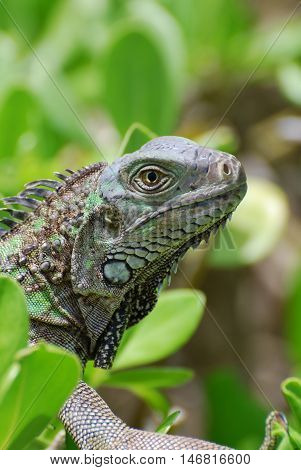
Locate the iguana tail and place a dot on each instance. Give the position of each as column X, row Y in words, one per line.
column 93, row 426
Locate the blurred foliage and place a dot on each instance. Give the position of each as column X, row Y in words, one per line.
column 163, row 331
column 293, row 321
column 84, row 81
column 136, row 133
column 168, row 422
column 290, row 438
column 153, row 78
column 35, row 381
column 255, row 228
column 229, row 401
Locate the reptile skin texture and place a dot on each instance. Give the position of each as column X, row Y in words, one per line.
column 92, row 249
column 89, row 414
column 93, row 425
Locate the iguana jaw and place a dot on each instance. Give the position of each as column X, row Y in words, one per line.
column 219, row 204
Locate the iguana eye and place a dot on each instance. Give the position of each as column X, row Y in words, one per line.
column 152, row 179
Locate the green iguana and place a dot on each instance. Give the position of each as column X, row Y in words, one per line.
column 92, row 249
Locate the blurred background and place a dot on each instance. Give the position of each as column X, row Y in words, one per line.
column 75, row 76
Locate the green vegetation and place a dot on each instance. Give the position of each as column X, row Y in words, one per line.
column 34, row 381
column 83, row 81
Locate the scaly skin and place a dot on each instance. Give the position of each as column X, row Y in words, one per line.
column 94, row 251
column 93, row 426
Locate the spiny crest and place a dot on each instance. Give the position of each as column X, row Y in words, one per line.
column 18, row 208
column 28, row 200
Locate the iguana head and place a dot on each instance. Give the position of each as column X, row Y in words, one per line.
column 156, row 203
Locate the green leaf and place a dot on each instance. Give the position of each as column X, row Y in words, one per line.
column 155, row 399
column 282, row 437
column 45, row 379
column 17, row 115
column 291, row 389
column 223, row 138
column 295, row 439
column 13, row 322
column 152, row 377
column 168, row 327
column 167, row 423
column 207, row 44
column 292, row 319
column 142, row 73
column 256, row 227
column 229, row 401
column 54, row 431
column 289, row 77
column 62, row 119
column 31, row 16
column 25, row 126
column 94, row 376
column 70, row 444
column 136, row 136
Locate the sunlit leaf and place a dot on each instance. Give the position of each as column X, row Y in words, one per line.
column 256, row 227
column 155, row 399
column 289, row 77
column 95, row 376
column 25, row 126
column 70, row 444
column 18, row 112
column 142, row 73
column 283, row 439
column 53, row 432
column 13, row 322
column 136, row 135
column 291, row 389
column 292, row 319
column 294, row 439
column 207, row 45
column 167, row 423
column 31, row 17
column 230, row 407
column 45, row 378
column 163, row 331
column 291, row 439
column 153, row 377
column 223, row 138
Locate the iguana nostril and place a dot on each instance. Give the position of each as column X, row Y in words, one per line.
column 227, row 169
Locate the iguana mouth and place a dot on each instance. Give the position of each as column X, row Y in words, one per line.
column 192, row 242
column 237, row 195
column 236, row 192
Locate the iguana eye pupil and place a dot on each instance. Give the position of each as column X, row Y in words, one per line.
column 152, row 176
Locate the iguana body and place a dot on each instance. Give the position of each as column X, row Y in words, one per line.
column 92, row 250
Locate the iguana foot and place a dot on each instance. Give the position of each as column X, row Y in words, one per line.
column 270, row 439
